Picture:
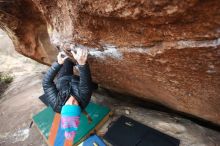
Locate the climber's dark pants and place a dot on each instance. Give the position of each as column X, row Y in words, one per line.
column 66, row 69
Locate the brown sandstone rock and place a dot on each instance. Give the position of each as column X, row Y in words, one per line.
column 160, row 50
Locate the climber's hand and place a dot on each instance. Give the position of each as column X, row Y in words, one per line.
column 61, row 57
column 80, row 55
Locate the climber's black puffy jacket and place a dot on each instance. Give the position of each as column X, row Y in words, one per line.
column 80, row 87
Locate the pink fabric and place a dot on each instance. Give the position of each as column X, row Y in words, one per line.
column 68, row 124
column 70, row 135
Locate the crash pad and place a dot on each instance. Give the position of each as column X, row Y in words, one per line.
column 93, row 140
column 48, row 123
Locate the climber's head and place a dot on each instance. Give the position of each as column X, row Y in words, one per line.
column 72, row 101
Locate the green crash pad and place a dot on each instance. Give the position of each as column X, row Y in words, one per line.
column 48, row 123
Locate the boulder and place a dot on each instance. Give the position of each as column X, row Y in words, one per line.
column 158, row 50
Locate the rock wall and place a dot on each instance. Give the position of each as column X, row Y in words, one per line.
column 159, row 50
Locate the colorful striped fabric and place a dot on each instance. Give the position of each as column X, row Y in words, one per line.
column 70, row 115
column 49, row 124
column 56, row 136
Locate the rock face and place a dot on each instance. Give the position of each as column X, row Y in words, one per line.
column 159, row 50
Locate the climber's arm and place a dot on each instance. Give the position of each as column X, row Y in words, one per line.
column 85, row 89
column 50, row 75
column 49, row 86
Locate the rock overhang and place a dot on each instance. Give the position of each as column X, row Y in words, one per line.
column 165, row 51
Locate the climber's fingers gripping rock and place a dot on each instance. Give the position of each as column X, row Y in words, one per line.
column 61, row 57
column 80, row 55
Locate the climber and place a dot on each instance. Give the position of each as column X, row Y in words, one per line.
column 70, row 94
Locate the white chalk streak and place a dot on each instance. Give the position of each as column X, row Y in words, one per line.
column 109, row 51
column 112, row 51
column 161, row 47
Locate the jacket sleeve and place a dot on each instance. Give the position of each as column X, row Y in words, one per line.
column 85, row 89
column 49, row 87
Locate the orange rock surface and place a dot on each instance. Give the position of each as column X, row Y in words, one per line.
column 159, row 50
